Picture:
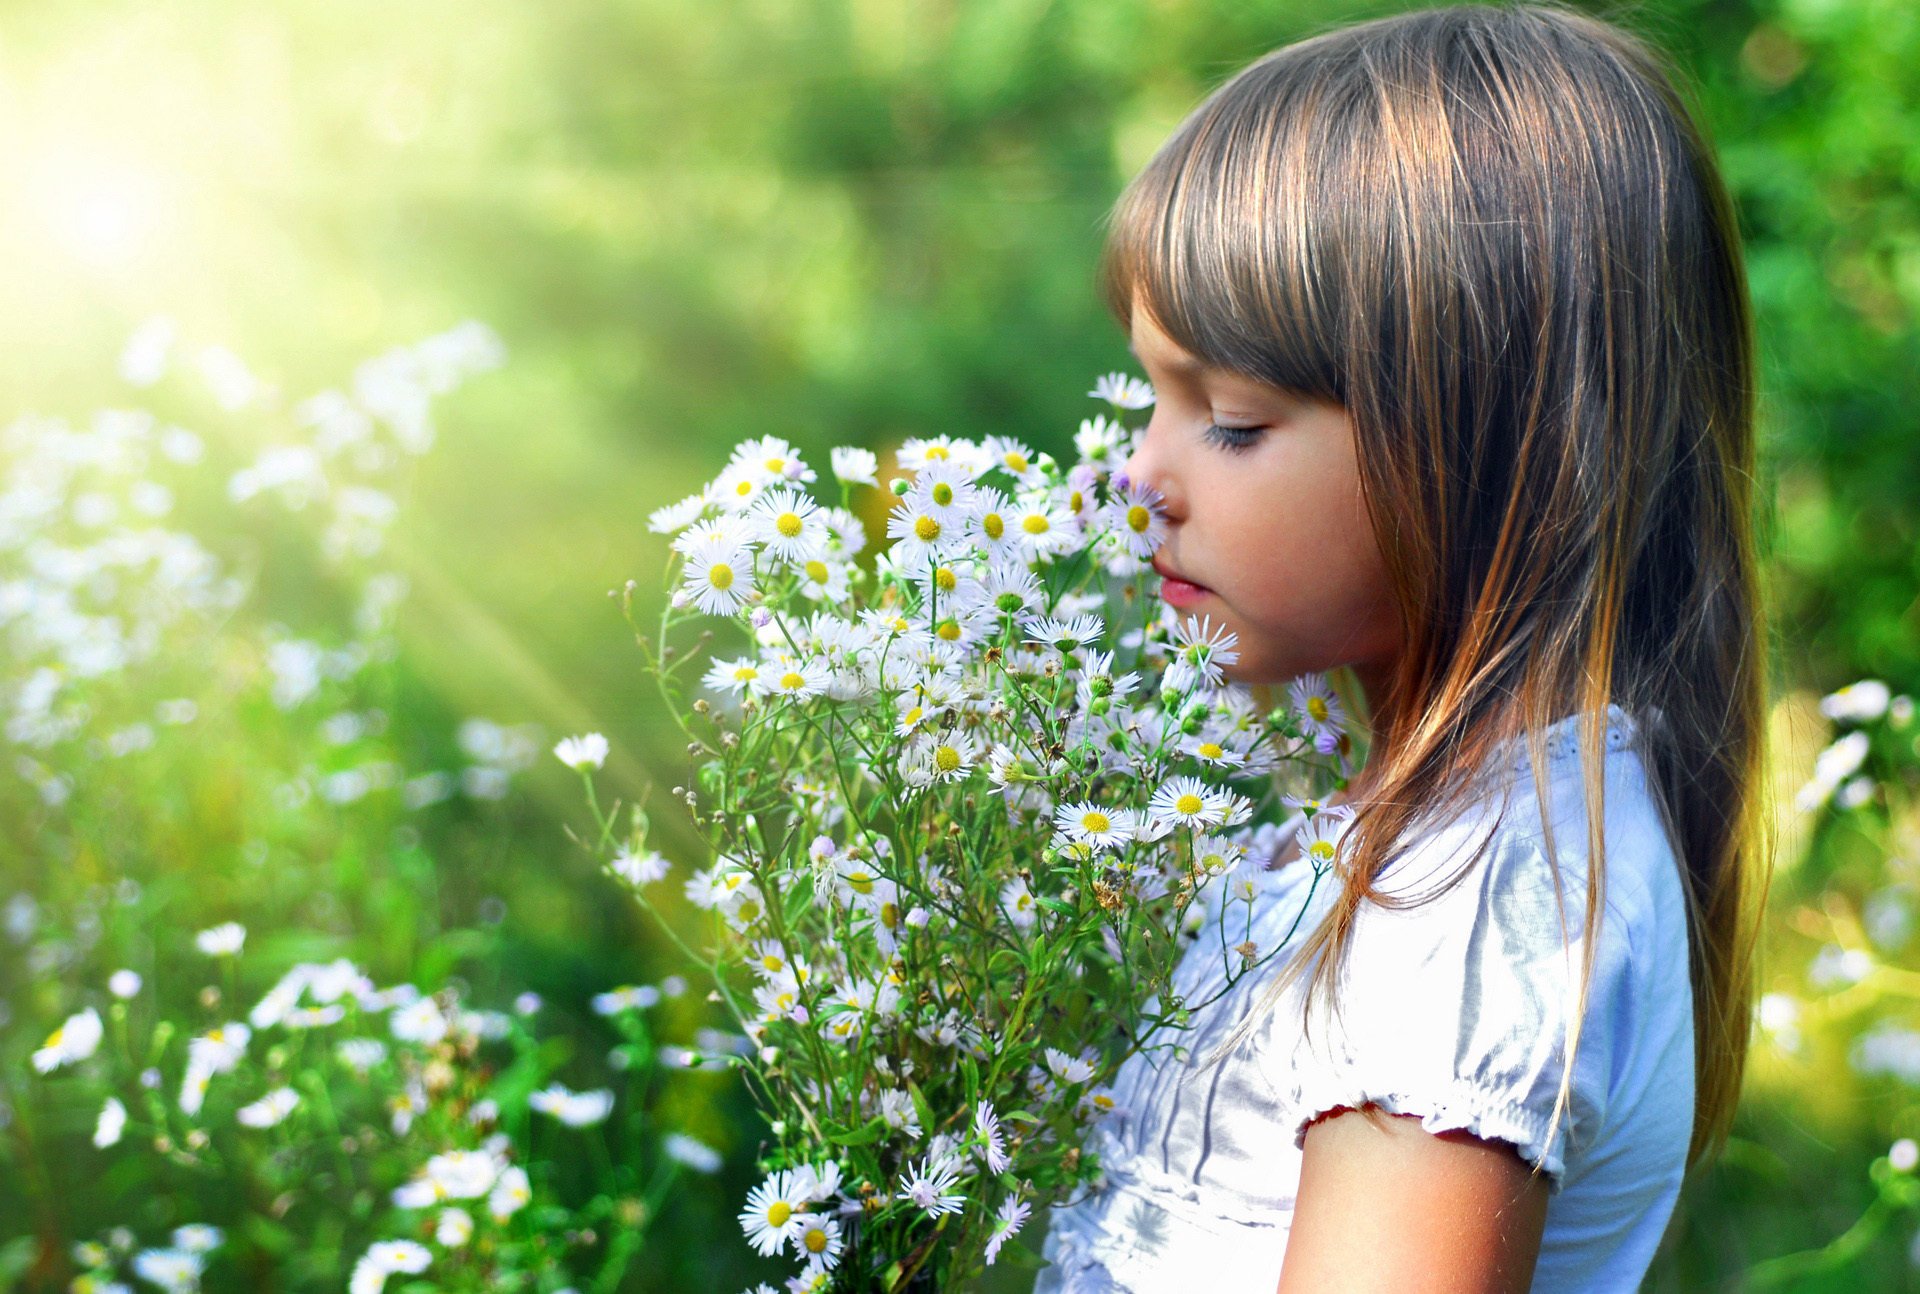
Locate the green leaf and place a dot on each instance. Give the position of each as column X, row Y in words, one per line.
column 920, row 1106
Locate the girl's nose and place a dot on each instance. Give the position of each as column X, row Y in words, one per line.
column 1145, row 466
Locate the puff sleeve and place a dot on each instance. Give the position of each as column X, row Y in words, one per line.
column 1458, row 1009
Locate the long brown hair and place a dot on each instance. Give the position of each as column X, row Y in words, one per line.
column 1498, row 237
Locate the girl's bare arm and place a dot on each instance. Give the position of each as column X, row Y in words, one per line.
column 1385, row 1205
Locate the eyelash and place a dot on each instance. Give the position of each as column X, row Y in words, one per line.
column 1235, row 440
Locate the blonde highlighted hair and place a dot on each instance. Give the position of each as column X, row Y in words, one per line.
column 1498, row 237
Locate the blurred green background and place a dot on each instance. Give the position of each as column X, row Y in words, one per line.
column 848, row 222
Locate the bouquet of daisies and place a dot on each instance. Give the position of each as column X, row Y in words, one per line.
column 966, row 801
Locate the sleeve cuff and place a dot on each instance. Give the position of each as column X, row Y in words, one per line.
column 1461, row 1107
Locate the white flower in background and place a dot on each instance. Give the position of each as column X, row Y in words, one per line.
column 640, row 868
column 1189, row 802
column 773, row 459
column 794, row 678
column 575, row 1109
column 450, row 1175
column 123, row 983
column 1122, row 391
column 931, row 1186
column 143, row 361
column 1321, row 834
column 921, row 539
column 697, row 1155
column 1016, row 900
column 789, row 525
column 738, row 676
column 735, row 489
column 1007, row 1221
column 1014, row 458
column 216, row 1051
column 632, row 997
column 73, row 1041
column 773, row 1213
column 1066, row 634
column 1043, row 527
column 921, row 452
column 362, row 1054
column 1861, row 702
column 111, row 1123
column 510, row 1194
column 386, row 1258
column 719, row 577
column 269, row 1110
column 1831, row 767
column 176, row 1271
column 854, row 465
column 825, row 581
column 223, row 940
column 582, row 754
column 420, row 1022
column 198, row 1238
column 944, row 491
column 1099, row 441
column 453, row 1228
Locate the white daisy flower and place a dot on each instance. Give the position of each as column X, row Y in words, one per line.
column 1122, row 391
column 919, row 453
column 697, row 1155
column 823, row 580
column 1014, row 458
column 1016, row 900
column 921, row 538
column 1092, row 824
column 1011, row 590
column 628, row 997
column 173, row 1270
column 1007, row 1221
column 1321, row 716
column 990, row 524
column 1136, row 515
column 773, row 1213
column 675, row 517
column 582, row 754
column 453, row 1228
column 73, row 1041
column 737, row 676
column 947, row 757
column 1099, row 440
column 124, row 983
column 817, row 1239
column 895, row 1108
column 1044, row 527
column 1068, row 1069
column 718, row 577
column 1067, row 635
column 931, row 1187
column 1320, row 837
column 712, row 530
column 1210, row 750
column 270, row 1109
column 789, row 525
column 986, row 1126
column 640, row 868
column 854, row 465
column 735, row 489
column 223, row 940
column 1188, row 802
column 847, row 533
column 794, row 679
column 774, row 459
column 198, row 1238
column 1200, row 652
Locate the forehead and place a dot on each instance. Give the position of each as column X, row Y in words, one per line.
column 1149, row 343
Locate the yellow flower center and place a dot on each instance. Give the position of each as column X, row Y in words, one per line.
column 946, row 759
column 789, row 524
column 1015, row 460
column 1188, row 805
column 1210, row 750
column 949, row 631
column 945, row 580
column 743, row 489
column 1035, row 524
column 942, row 493
column 889, row 915
column 1075, row 500
column 1317, row 707
column 860, row 882
column 816, row 1241
column 993, row 525
column 772, row 961
column 777, row 466
column 779, row 1213
column 817, row 571
column 938, row 453
column 1322, row 851
column 745, row 673
column 1138, row 518
column 926, row 530
column 792, row 679
column 720, row 575
column 1094, row 820
column 912, row 716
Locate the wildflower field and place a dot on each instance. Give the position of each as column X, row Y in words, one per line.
column 461, row 467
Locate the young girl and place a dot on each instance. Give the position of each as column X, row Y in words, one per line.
column 1446, row 320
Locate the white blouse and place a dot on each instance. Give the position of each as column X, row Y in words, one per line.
column 1456, row 1010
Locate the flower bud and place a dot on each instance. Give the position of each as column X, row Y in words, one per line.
column 899, row 487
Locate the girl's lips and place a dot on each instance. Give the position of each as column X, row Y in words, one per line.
column 1177, row 591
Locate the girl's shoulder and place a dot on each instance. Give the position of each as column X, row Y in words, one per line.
column 1459, row 986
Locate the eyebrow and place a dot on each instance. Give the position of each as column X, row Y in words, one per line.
column 1185, row 367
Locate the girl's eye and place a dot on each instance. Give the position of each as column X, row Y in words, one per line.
column 1233, row 439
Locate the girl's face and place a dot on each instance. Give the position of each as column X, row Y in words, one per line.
column 1267, row 532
